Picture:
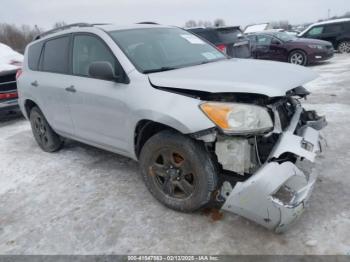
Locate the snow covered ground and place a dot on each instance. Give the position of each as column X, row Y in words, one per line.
column 83, row 200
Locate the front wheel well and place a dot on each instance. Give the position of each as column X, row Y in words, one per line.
column 296, row 49
column 28, row 105
column 144, row 130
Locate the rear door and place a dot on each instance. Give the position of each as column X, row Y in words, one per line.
column 97, row 106
column 50, row 81
column 332, row 32
column 262, row 47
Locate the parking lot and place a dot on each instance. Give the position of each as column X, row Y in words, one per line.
column 83, row 200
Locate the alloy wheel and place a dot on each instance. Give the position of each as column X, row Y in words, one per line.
column 297, row 58
column 344, row 47
column 41, row 130
column 173, row 174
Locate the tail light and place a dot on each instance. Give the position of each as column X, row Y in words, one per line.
column 8, row 95
column 222, row 48
column 18, row 73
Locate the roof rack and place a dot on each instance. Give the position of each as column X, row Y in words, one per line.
column 64, row 28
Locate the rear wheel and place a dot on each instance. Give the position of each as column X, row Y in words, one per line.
column 298, row 57
column 178, row 171
column 344, row 47
column 44, row 135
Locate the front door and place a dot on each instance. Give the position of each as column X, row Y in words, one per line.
column 97, row 106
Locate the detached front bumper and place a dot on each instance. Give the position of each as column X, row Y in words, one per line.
column 276, row 195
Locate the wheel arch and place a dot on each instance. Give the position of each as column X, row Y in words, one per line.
column 144, row 130
column 28, row 105
column 296, row 49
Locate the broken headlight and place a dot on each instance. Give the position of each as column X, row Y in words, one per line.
column 237, row 118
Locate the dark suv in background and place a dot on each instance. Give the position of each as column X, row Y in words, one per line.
column 335, row 31
column 229, row 40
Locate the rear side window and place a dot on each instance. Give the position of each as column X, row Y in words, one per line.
column 34, row 52
column 264, row 40
column 336, row 28
column 88, row 49
column 56, row 55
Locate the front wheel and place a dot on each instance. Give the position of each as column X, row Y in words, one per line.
column 298, row 57
column 344, row 47
column 44, row 135
column 178, row 171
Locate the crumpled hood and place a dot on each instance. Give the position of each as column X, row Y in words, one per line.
column 236, row 76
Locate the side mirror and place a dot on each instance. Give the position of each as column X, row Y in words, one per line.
column 102, row 70
column 275, row 42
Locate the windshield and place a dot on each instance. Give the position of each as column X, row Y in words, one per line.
column 285, row 36
column 160, row 49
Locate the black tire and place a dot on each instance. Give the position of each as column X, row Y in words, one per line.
column 185, row 190
column 344, row 47
column 298, row 57
column 44, row 135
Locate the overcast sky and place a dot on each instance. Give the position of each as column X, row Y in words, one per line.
column 45, row 13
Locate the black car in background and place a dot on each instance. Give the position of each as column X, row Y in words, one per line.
column 335, row 31
column 229, row 40
column 284, row 47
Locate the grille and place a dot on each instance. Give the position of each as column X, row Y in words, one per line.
column 8, row 82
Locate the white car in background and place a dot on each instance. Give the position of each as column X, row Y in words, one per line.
column 10, row 62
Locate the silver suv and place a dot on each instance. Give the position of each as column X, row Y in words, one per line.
column 207, row 130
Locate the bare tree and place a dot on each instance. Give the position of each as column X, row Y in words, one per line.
column 219, row 22
column 190, row 24
column 17, row 37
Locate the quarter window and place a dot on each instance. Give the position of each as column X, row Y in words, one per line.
column 56, row 55
column 88, row 49
column 34, row 52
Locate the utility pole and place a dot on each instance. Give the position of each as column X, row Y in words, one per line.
column 329, row 13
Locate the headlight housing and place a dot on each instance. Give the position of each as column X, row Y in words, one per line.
column 237, row 118
column 316, row 46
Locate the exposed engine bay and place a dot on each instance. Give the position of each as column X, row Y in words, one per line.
column 261, row 175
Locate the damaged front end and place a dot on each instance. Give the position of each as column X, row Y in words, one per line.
column 267, row 177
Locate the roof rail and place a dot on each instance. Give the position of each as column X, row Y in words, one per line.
column 147, row 23
column 63, row 28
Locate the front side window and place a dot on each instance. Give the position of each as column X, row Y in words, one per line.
column 88, row 49
column 160, row 49
column 315, row 31
column 264, row 40
column 56, row 53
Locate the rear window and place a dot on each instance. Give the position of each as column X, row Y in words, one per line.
column 34, row 52
column 56, row 53
column 229, row 34
column 208, row 34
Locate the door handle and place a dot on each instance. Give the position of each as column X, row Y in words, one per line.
column 71, row 89
column 35, row 83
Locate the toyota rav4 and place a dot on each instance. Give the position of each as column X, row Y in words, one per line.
column 206, row 129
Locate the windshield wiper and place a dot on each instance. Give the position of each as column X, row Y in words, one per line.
column 161, row 69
